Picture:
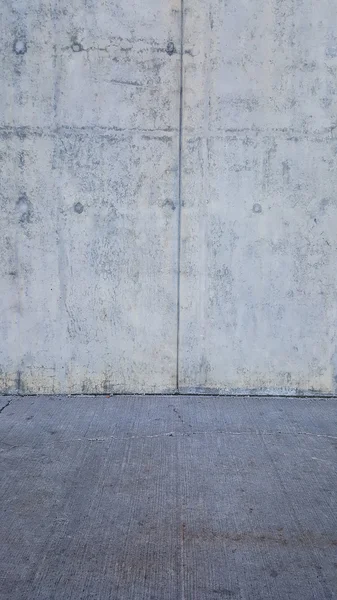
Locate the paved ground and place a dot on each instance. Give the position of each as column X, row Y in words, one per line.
column 140, row 498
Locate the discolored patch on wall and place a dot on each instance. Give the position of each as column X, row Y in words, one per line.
column 24, row 209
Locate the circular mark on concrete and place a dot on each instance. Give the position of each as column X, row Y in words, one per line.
column 78, row 207
column 170, row 49
column 257, row 208
column 20, row 47
column 76, row 47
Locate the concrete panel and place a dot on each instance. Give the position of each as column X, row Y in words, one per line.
column 259, row 216
column 193, row 499
column 74, row 64
column 89, row 168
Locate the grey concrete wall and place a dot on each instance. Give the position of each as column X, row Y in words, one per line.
column 89, row 102
column 259, row 222
column 90, row 203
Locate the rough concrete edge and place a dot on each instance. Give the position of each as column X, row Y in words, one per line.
column 255, row 392
column 181, row 394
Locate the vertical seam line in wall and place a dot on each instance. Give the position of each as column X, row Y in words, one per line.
column 180, row 182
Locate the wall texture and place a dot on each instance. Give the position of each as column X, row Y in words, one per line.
column 259, row 221
column 151, row 238
column 89, row 97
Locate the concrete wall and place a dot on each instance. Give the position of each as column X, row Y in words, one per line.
column 89, row 100
column 259, row 222
column 92, row 215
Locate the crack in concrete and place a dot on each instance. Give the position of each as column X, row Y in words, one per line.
column 5, row 406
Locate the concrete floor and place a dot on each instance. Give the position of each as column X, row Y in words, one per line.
column 168, row 498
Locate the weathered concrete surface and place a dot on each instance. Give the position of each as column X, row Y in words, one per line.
column 89, row 164
column 259, row 217
column 168, row 498
column 89, row 101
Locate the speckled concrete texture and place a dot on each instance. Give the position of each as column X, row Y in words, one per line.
column 168, row 197
column 167, row 498
column 259, row 217
column 89, row 147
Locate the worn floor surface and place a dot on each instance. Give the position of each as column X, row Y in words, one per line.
column 180, row 498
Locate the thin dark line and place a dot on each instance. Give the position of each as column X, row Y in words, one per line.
column 181, row 99
column 8, row 403
column 192, row 394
